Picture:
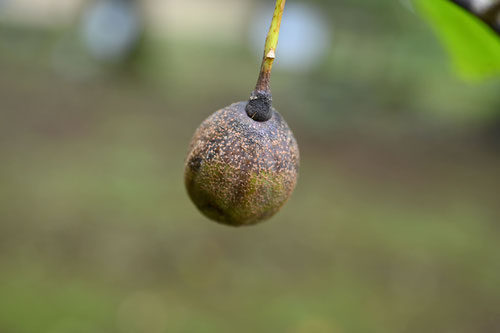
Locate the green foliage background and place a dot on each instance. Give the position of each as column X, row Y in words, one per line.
column 474, row 47
column 393, row 227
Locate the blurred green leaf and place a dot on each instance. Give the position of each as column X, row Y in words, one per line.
column 473, row 46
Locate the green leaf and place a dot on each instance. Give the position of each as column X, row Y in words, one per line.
column 473, row 46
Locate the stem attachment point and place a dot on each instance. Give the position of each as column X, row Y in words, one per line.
column 259, row 105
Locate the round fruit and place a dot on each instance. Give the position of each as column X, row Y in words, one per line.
column 240, row 171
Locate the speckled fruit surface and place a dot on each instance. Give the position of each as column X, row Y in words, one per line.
column 240, row 171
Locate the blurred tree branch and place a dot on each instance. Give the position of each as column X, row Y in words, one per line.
column 490, row 15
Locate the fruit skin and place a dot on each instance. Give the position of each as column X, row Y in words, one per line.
column 240, row 171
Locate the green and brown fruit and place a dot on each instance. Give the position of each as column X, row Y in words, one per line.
column 240, row 171
column 243, row 161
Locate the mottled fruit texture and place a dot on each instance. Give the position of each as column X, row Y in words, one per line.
column 240, row 171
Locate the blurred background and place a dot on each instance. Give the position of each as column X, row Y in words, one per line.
column 394, row 226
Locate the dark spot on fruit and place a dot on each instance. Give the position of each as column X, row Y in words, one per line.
column 195, row 163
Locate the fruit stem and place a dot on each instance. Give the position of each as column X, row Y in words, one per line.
column 270, row 48
column 259, row 106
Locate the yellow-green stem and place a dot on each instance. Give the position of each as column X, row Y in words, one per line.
column 270, row 48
